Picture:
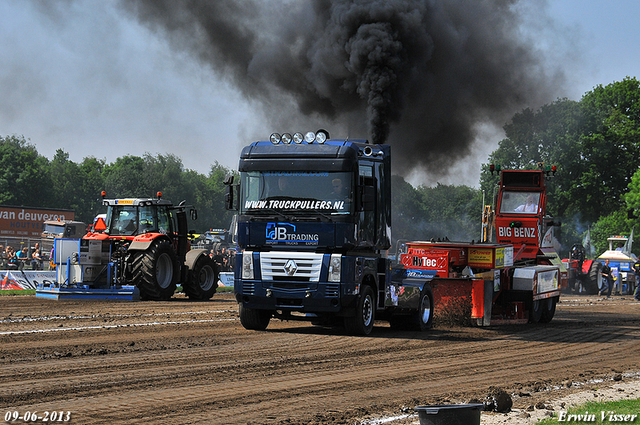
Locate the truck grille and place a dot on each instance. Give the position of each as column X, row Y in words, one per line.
column 307, row 266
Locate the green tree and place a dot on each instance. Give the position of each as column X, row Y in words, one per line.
column 126, row 178
column 24, row 176
column 615, row 223
column 547, row 136
column 77, row 186
column 449, row 211
column 405, row 210
column 609, row 148
column 444, row 211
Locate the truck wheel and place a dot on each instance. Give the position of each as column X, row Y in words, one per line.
column 595, row 278
column 154, row 271
column 422, row 319
column 362, row 322
column 548, row 309
column 203, row 279
column 535, row 314
column 255, row 320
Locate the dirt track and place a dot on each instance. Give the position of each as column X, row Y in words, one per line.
column 183, row 362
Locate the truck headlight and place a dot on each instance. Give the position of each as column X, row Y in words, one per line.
column 335, row 268
column 247, row 265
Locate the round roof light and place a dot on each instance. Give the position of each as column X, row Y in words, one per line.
column 298, row 137
column 275, row 138
column 310, row 137
column 286, row 138
column 322, row 136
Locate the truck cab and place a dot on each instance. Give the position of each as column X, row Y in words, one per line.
column 313, row 228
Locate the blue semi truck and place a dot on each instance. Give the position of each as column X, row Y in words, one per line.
column 314, row 229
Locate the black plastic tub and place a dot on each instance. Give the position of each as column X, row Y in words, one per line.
column 450, row 414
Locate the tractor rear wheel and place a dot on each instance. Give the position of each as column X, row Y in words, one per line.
column 594, row 282
column 155, row 271
column 203, row 279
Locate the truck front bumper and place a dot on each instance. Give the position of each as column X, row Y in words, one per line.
column 322, row 297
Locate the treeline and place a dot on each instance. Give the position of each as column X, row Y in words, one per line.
column 29, row 179
column 595, row 142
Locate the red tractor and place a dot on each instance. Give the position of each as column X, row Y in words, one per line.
column 144, row 242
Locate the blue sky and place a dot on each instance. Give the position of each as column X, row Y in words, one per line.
column 607, row 38
column 94, row 82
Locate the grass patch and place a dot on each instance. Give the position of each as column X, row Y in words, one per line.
column 224, row 289
column 17, row 292
column 622, row 409
column 13, row 292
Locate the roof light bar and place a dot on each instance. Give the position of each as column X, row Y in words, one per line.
column 320, row 137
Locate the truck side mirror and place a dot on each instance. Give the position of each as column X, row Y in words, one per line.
column 229, row 198
column 194, row 214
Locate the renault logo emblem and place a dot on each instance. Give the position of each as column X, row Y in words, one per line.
column 290, row 267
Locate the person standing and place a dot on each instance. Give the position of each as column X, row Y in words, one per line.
column 607, row 282
column 636, row 269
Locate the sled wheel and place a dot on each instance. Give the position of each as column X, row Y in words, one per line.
column 548, row 309
column 535, row 314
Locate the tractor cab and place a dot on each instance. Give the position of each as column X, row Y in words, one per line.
column 520, row 212
column 131, row 217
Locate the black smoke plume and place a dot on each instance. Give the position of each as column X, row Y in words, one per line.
column 417, row 74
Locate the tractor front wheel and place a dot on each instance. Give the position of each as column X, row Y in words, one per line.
column 155, row 271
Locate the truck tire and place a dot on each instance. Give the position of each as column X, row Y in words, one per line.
column 362, row 322
column 423, row 318
column 535, row 313
column 255, row 320
column 548, row 309
column 202, row 280
column 594, row 281
column 155, row 271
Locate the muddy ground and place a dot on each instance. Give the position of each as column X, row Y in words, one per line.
column 184, row 362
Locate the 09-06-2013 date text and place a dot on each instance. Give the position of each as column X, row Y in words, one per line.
column 53, row 416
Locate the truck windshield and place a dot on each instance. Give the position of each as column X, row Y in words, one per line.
column 296, row 192
column 54, row 229
column 520, row 202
